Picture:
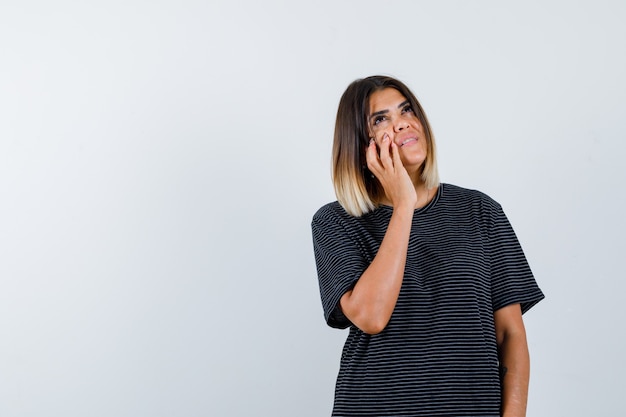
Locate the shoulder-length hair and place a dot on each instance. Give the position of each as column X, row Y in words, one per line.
column 357, row 190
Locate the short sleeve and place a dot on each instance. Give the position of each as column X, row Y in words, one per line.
column 512, row 280
column 339, row 264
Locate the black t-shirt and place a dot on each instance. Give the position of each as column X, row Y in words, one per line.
column 438, row 354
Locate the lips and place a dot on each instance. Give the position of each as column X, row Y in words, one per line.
column 408, row 141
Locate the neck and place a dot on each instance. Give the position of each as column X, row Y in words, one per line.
column 424, row 195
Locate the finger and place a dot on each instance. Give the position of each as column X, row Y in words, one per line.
column 395, row 155
column 371, row 156
column 385, row 151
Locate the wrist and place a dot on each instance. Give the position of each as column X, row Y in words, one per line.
column 404, row 208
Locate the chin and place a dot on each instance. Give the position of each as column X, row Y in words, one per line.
column 414, row 162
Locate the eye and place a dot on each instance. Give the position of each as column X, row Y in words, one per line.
column 407, row 109
column 379, row 119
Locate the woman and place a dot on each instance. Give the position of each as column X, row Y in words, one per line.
column 429, row 277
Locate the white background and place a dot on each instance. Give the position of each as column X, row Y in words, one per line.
column 160, row 162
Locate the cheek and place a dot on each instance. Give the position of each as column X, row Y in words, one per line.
column 417, row 125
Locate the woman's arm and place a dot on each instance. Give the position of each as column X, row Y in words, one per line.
column 514, row 360
column 370, row 303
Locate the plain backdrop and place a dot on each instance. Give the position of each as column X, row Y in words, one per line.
column 160, row 162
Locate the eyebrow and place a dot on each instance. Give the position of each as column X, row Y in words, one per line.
column 378, row 113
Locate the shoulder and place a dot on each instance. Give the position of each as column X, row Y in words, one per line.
column 333, row 216
column 461, row 195
column 330, row 212
column 330, row 215
column 330, row 209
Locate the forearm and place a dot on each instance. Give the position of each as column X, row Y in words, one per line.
column 370, row 303
column 514, row 359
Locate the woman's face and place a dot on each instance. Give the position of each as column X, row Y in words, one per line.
column 391, row 113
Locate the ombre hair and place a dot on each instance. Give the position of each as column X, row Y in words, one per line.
column 357, row 190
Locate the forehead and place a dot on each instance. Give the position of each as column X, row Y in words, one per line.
column 385, row 99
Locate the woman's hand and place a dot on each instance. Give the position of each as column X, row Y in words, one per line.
column 392, row 175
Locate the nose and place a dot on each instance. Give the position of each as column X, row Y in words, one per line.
column 400, row 125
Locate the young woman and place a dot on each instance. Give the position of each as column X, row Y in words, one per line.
column 430, row 278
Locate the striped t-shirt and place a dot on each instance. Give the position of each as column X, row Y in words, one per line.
column 438, row 354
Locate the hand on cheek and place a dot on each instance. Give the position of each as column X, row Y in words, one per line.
column 379, row 137
column 388, row 168
column 381, row 142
